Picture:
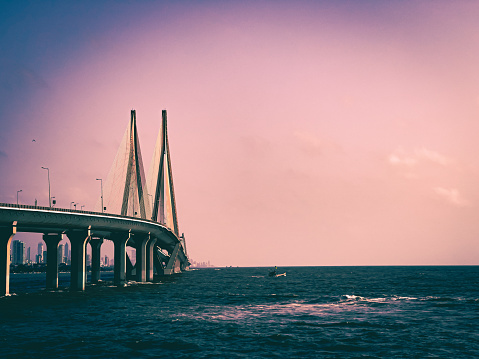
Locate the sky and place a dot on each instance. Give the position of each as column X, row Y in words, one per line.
column 301, row 132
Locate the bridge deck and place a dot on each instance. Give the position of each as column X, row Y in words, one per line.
column 80, row 226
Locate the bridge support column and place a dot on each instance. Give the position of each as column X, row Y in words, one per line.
column 78, row 240
column 140, row 244
column 150, row 261
column 120, row 240
column 6, row 235
column 173, row 263
column 52, row 241
column 95, row 244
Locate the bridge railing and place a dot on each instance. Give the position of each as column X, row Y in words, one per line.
column 57, row 209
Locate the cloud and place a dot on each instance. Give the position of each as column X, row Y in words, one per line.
column 432, row 156
column 401, row 157
column 308, row 142
column 452, row 196
column 397, row 160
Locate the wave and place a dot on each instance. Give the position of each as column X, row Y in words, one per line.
column 395, row 298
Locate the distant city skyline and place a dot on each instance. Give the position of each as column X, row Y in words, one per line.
column 20, row 254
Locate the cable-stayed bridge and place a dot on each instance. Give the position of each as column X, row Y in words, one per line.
column 132, row 211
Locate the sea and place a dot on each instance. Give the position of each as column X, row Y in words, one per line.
column 312, row 312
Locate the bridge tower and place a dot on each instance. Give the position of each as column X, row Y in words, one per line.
column 127, row 193
column 160, row 181
column 125, row 188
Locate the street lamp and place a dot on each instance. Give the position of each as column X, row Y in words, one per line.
column 75, row 206
column 17, row 194
column 71, row 204
column 101, row 184
column 49, row 195
column 82, row 207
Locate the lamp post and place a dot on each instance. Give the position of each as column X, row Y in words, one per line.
column 49, row 194
column 75, row 206
column 82, row 207
column 71, row 204
column 17, row 194
column 101, row 185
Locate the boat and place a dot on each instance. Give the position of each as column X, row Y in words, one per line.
column 273, row 273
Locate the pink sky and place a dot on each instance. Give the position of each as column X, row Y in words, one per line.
column 329, row 133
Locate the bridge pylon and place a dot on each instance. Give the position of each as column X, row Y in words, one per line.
column 160, row 181
column 126, row 192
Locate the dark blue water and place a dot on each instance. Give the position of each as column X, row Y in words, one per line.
column 313, row 312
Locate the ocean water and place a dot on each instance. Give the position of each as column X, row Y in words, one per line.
column 312, row 312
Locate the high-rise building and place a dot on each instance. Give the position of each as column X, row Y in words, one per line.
column 18, row 252
column 28, row 255
column 66, row 254
column 44, row 257
column 60, row 253
column 40, row 253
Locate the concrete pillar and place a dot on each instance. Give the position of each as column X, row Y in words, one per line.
column 78, row 240
column 119, row 241
column 140, row 245
column 173, row 263
column 150, row 261
column 6, row 235
column 52, row 241
column 95, row 244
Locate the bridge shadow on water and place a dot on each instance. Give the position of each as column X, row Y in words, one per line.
column 34, row 283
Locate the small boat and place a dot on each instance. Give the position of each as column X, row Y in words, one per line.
column 273, row 273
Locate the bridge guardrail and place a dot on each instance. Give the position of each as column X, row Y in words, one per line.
column 57, row 209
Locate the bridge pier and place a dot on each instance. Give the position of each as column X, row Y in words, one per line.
column 173, row 265
column 140, row 245
column 78, row 240
column 119, row 241
column 6, row 235
column 95, row 244
column 150, row 261
column 52, row 240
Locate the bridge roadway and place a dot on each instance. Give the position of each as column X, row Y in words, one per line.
column 82, row 227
